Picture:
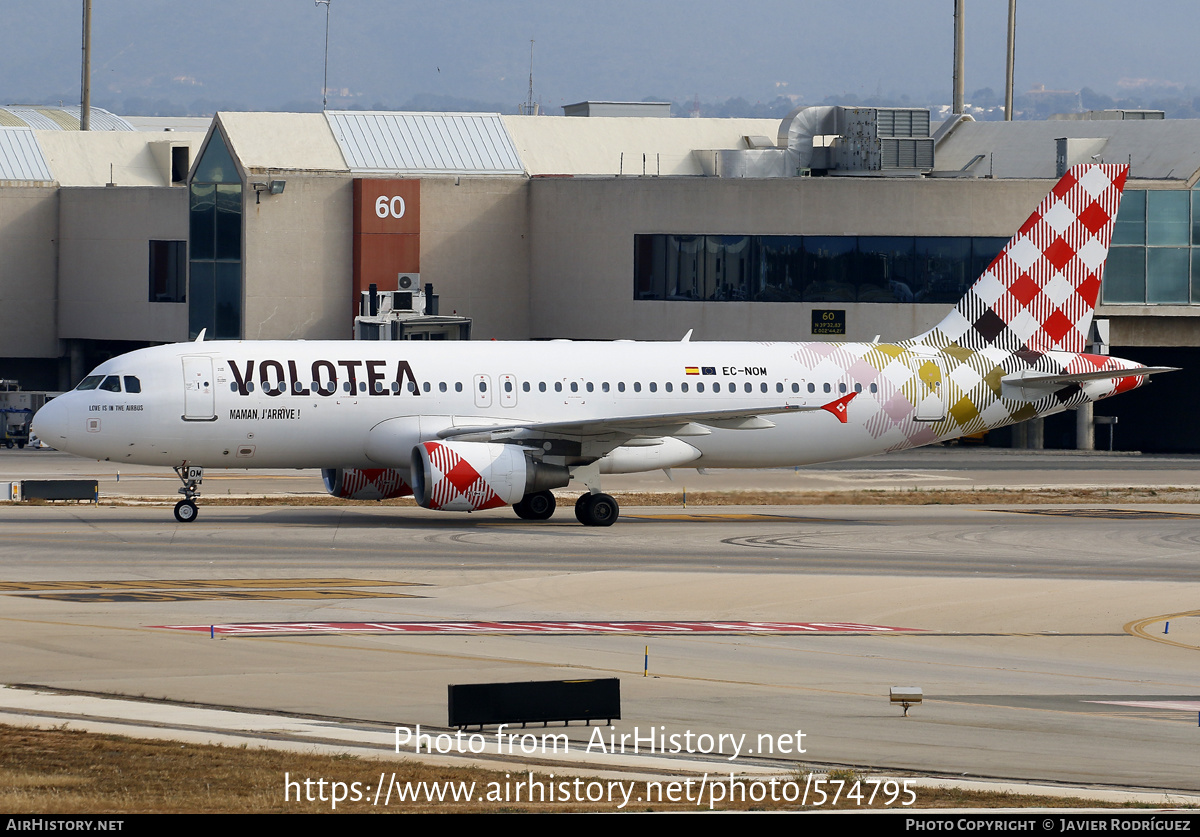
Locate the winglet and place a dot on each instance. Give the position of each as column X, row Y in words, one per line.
column 200, row 336
column 687, row 338
column 838, row 407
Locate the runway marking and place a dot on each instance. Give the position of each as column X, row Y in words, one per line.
column 214, row 595
column 713, row 517
column 567, row 628
column 1192, row 706
column 193, row 583
column 1138, row 628
column 1107, row 514
column 192, row 590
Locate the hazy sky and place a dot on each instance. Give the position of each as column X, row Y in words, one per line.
column 268, row 53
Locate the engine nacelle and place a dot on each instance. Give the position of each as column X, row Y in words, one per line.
column 469, row 476
column 365, row 483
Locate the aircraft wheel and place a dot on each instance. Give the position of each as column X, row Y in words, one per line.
column 581, row 508
column 539, row 506
column 186, row 511
column 597, row 510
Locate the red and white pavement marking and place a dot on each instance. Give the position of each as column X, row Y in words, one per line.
column 540, row 628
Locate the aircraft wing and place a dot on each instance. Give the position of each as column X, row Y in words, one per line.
column 645, row 426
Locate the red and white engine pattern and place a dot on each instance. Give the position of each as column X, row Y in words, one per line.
column 468, row 476
column 365, row 483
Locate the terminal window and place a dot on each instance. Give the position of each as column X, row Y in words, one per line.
column 168, row 271
column 809, row 268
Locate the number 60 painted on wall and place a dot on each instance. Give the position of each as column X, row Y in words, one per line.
column 393, row 206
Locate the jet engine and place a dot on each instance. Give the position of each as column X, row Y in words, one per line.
column 469, row 476
column 365, row 483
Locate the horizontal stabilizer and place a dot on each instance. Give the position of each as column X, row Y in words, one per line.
column 1048, row 379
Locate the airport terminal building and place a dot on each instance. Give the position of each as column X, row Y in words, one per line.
column 832, row 224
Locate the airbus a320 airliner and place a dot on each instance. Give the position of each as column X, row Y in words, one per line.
column 469, row 426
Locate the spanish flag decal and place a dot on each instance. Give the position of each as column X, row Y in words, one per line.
column 692, row 370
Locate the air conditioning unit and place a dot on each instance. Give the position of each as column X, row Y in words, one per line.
column 408, row 281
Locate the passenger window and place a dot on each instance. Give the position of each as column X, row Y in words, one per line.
column 483, row 386
column 90, row 382
column 558, row 386
column 827, row 388
column 874, row 388
column 841, row 387
column 525, row 386
column 362, row 386
column 541, row 386
column 425, row 386
column 132, row 384
column 508, row 386
column 699, row 387
column 858, row 387
column 590, row 388
column 604, row 386
column 621, row 386
column 111, row 384
column 779, row 387
column 812, row 387
column 574, row 386
column 795, row 387
column 763, row 386
column 749, row 387
column 683, row 387
column 442, row 386
column 458, row 386
column 637, row 386
column 653, row 386
column 345, row 386
column 232, row 387
column 668, row 386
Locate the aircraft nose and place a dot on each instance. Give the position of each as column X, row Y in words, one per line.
column 50, row 423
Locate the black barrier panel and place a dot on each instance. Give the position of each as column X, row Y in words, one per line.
column 477, row 704
column 60, row 490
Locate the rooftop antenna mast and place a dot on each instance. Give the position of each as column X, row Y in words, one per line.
column 325, row 85
column 85, row 96
column 529, row 108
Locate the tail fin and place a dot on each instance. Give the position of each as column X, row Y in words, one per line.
column 1039, row 293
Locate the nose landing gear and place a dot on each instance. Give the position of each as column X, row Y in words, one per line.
column 190, row 476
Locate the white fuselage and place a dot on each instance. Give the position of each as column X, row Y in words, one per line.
column 364, row 404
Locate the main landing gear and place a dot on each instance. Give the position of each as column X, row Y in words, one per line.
column 539, row 506
column 190, row 476
column 597, row 510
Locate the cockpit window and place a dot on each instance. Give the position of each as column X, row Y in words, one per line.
column 132, row 384
column 90, row 382
column 111, row 384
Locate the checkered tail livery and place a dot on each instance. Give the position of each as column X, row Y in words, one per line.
column 1039, row 293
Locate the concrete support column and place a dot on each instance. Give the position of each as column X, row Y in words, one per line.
column 1020, row 435
column 77, row 369
column 1036, row 434
column 1085, row 428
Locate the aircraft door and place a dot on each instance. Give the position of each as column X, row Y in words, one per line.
column 483, row 390
column 199, row 402
column 508, row 391
column 930, row 388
